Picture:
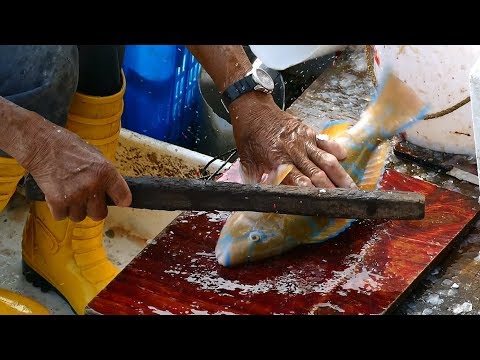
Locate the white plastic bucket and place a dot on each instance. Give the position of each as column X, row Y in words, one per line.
column 281, row 57
column 440, row 76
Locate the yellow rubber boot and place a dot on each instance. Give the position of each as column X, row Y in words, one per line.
column 66, row 255
column 10, row 174
column 12, row 303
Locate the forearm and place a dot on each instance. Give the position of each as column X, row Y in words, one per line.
column 24, row 133
column 266, row 136
column 226, row 64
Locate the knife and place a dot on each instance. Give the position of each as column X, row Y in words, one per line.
column 435, row 160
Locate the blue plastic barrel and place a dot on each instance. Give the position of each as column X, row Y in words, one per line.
column 162, row 94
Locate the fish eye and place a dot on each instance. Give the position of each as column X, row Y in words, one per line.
column 254, row 237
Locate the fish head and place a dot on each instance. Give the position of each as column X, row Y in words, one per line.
column 249, row 236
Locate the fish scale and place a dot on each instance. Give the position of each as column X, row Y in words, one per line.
column 251, row 236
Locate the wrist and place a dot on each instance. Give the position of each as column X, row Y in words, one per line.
column 44, row 145
column 251, row 106
column 234, row 72
column 19, row 130
column 35, row 141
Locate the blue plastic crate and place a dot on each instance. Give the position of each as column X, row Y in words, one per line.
column 162, row 94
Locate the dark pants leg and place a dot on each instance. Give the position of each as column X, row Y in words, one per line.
column 44, row 78
column 40, row 78
column 100, row 69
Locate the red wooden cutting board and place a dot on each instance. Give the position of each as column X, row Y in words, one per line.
column 365, row 270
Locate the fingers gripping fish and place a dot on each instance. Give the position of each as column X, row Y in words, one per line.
column 250, row 236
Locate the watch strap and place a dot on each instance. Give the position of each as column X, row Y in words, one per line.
column 237, row 89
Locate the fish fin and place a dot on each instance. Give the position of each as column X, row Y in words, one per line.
column 334, row 227
column 371, row 178
column 246, row 179
column 395, row 108
column 375, row 167
column 336, row 127
column 276, row 176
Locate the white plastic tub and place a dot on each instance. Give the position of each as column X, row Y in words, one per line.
column 440, row 75
column 475, row 108
column 281, row 57
column 140, row 155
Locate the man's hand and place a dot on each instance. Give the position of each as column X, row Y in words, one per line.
column 266, row 137
column 74, row 176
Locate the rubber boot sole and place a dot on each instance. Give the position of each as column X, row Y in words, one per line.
column 38, row 281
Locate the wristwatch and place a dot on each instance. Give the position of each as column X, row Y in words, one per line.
column 256, row 79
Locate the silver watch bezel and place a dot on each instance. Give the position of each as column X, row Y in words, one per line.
column 262, row 86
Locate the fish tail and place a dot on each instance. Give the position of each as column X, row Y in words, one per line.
column 395, row 108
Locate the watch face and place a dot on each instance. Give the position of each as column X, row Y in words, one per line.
column 264, row 79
